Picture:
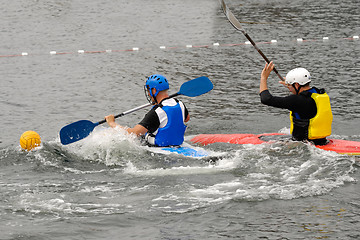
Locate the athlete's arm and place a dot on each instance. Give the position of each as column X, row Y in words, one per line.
column 288, row 102
column 304, row 106
column 138, row 129
column 187, row 115
column 151, row 121
column 265, row 75
column 187, row 118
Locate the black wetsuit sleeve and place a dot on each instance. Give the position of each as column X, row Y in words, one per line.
column 287, row 102
column 301, row 104
column 151, row 121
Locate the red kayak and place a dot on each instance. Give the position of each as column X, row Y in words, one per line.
column 336, row 145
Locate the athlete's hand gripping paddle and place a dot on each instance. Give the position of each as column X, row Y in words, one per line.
column 81, row 129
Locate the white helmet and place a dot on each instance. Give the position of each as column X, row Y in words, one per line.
column 298, row 75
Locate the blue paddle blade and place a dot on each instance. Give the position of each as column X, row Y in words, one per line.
column 76, row 131
column 196, row 87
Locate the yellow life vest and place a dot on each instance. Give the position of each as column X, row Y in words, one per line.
column 320, row 125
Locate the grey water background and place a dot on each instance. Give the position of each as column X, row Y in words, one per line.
column 108, row 186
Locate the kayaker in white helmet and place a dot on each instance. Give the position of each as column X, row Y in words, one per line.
column 310, row 110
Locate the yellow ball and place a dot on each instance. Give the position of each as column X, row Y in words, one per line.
column 29, row 140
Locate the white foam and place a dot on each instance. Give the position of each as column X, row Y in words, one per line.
column 105, row 145
column 182, row 170
column 284, row 130
column 274, row 170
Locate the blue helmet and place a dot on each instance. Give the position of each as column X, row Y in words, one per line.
column 158, row 82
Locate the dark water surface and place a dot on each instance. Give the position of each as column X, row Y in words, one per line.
column 110, row 187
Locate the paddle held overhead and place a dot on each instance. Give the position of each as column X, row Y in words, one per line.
column 236, row 24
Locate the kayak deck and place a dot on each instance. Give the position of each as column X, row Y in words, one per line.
column 336, row 145
column 186, row 151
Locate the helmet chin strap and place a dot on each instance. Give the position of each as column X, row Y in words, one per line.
column 155, row 100
column 149, row 96
column 297, row 90
column 154, row 96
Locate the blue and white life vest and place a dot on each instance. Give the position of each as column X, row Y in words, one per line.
column 171, row 113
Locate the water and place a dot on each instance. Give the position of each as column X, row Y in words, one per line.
column 108, row 186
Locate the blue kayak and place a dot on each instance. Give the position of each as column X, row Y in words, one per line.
column 187, row 151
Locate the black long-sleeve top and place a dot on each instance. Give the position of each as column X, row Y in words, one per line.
column 302, row 104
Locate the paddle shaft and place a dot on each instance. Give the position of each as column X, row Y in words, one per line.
column 261, row 53
column 236, row 24
column 135, row 109
column 81, row 129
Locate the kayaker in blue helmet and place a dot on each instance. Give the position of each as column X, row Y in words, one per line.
column 310, row 110
column 164, row 125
